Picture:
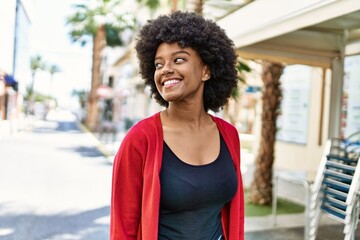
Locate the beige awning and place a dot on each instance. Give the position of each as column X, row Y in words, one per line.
column 310, row 32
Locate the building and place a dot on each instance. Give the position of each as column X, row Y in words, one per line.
column 319, row 41
column 15, row 26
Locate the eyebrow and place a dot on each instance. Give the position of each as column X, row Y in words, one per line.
column 177, row 52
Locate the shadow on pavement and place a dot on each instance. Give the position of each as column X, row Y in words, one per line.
column 92, row 151
column 57, row 126
column 88, row 225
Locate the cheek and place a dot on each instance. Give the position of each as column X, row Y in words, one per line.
column 157, row 80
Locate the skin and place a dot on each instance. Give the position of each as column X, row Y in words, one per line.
column 188, row 130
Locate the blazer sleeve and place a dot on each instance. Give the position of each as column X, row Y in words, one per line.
column 127, row 184
column 237, row 215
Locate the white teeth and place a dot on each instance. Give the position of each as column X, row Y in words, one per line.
column 169, row 82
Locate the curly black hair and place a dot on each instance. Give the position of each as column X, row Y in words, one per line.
column 187, row 29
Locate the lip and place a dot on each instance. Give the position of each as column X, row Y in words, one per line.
column 171, row 79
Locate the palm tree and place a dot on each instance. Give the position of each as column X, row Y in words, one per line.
column 199, row 4
column 241, row 67
column 52, row 70
column 99, row 22
column 152, row 5
column 36, row 64
column 82, row 96
column 261, row 187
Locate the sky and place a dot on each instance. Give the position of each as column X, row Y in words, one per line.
column 50, row 39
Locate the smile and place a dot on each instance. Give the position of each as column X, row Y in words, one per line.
column 171, row 82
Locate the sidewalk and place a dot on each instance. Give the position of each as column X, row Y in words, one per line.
column 54, row 183
column 11, row 126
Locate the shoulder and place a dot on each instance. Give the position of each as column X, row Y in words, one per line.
column 224, row 124
column 145, row 128
column 226, row 129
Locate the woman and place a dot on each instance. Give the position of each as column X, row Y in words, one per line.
column 177, row 173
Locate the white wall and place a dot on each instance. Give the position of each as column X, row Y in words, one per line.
column 306, row 157
column 7, row 28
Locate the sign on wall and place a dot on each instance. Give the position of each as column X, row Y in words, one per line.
column 292, row 123
column 351, row 96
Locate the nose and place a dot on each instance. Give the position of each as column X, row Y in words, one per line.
column 167, row 69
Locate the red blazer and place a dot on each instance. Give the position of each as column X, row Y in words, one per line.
column 135, row 197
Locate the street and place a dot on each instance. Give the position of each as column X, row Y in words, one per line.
column 54, row 183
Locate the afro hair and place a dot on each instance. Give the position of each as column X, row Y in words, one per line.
column 187, row 29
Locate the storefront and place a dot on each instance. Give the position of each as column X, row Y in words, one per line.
column 318, row 40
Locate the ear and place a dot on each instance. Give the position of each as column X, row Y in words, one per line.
column 206, row 73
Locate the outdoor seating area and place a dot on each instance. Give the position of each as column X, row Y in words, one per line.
column 303, row 181
column 335, row 191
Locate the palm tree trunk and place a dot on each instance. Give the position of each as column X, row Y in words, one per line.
column 174, row 4
column 199, row 7
column 261, row 187
column 98, row 46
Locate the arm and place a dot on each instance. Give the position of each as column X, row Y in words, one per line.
column 127, row 183
column 233, row 213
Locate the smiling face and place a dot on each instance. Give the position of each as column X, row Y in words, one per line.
column 179, row 73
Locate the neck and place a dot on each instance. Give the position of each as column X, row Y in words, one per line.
column 186, row 116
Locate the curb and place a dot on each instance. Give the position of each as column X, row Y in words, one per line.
column 100, row 146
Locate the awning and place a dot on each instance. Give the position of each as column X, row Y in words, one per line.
column 10, row 81
column 310, row 32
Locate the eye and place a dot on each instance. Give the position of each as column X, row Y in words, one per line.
column 179, row 60
column 158, row 65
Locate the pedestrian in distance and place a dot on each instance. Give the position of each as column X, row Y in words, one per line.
column 177, row 173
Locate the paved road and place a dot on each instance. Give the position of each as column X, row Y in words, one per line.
column 54, row 183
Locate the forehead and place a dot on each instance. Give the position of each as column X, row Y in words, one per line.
column 173, row 48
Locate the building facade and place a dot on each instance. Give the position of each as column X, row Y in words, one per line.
column 15, row 26
column 318, row 41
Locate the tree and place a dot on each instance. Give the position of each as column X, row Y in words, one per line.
column 241, row 67
column 36, row 64
column 100, row 22
column 53, row 68
column 199, row 4
column 152, row 5
column 261, row 187
column 82, row 96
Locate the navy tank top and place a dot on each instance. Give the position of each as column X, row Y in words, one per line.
column 192, row 196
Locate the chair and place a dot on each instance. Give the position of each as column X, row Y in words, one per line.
column 335, row 189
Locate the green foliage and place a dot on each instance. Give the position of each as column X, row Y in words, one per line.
column 283, row 207
column 53, row 68
column 37, row 63
column 82, row 96
column 151, row 4
column 35, row 96
column 241, row 68
column 87, row 19
column 112, row 36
